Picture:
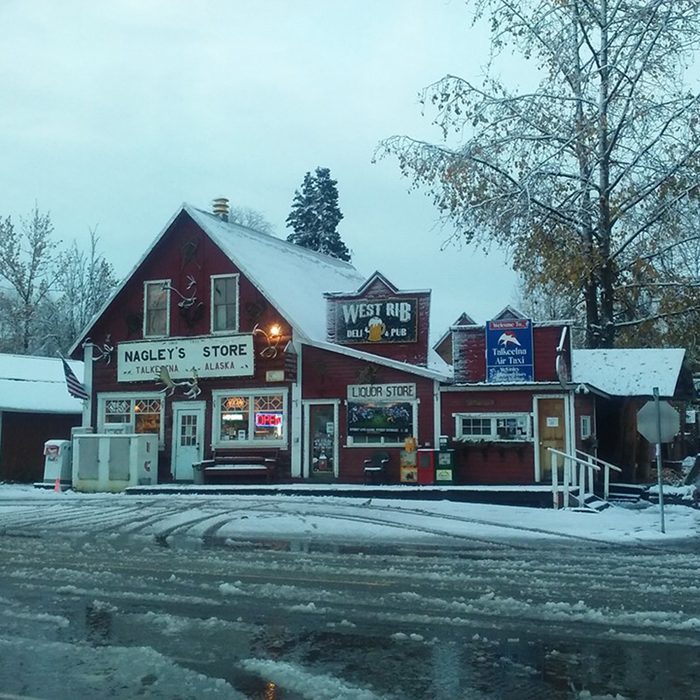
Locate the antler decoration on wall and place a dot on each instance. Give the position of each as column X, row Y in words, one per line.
column 190, row 307
column 185, row 302
column 101, row 352
column 192, row 391
column 272, row 338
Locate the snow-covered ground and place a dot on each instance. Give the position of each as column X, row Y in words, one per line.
column 195, row 596
column 334, row 518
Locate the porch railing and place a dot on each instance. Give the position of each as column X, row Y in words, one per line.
column 581, row 483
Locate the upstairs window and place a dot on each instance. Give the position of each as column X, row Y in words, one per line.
column 224, row 303
column 156, row 309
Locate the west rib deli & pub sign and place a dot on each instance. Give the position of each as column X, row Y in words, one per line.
column 377, row 321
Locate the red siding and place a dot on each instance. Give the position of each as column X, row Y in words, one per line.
column 326, row 375
column 23, row 438
column 184, row 250
column 489, row 463
column 469, row 352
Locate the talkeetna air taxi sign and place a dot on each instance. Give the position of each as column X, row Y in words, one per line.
column 509, row 356
column 218, row 356
column 377, row 321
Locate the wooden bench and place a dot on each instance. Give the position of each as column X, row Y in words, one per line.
column 227, row 468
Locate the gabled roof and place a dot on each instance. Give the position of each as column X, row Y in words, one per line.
column 464, row 319
column 291, row 277
column 436, row 369
column 628, row 371
column 381, row 279
column 296, row 280
column 37, row 385
column 508, row 314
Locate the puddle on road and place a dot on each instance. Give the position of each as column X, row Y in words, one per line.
column 472, row 663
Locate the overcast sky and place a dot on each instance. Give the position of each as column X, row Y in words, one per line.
column 115, row 113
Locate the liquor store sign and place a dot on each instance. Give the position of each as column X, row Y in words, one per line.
column 381, row 392
column 219, row 356
column 380, row 321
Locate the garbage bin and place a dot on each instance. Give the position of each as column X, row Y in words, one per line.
column 58, row 460
column 198, row 473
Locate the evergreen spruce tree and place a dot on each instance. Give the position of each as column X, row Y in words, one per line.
column 315, row 216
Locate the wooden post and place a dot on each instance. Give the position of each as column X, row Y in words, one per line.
column 606, row 483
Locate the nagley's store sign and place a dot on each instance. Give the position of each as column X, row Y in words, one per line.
column 385, row 321
column 225, row 356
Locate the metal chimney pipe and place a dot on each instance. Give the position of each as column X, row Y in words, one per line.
column 220, row 207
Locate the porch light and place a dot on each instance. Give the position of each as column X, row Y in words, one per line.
column 272, row 338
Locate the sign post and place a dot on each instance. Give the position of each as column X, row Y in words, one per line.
column 658, row 458
column 658, row 422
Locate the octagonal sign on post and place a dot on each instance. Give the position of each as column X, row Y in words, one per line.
column 647, row 422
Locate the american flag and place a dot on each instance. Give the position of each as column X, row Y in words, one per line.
column 75, row 388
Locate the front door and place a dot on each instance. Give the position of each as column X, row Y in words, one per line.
column 188, row 438
column 322, row 441
column 551, row 432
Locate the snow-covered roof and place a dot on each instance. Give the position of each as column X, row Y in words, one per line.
column 628, row 371
column 37, row 384
column 436, row 369
column 292, row 277
column 295, row 279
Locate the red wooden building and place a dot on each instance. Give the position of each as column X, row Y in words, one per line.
column 225, row 341
column 510, row 399
column 236, row 346
column 35, row 406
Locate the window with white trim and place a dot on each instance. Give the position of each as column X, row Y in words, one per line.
column 156, row 309
column 224, row 303
column 381, row 423
column 586, row 427
column 249, row 417
column 501, row 427
column 130, row 413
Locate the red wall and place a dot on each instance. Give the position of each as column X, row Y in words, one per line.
column 23, row 438
column 469, row 353
column 326, row 375
column 184, row 250
column 497, row 463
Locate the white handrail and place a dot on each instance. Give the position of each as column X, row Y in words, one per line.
column 606, row 465
column 585, row 463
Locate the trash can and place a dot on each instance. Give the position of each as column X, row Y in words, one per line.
column 198, row 473
column 58, row 461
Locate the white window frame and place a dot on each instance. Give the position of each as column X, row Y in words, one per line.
column 216, row 396
column 130, row 427
column 212, row 314
column 382, row 442
column 162, row 283
column 586, row 427
column 493, row 436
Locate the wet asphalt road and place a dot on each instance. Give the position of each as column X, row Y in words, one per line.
column 126, row 611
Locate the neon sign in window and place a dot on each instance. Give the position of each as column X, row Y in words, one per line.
column 268, row 420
